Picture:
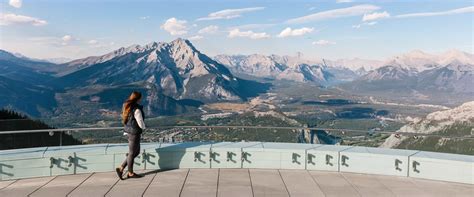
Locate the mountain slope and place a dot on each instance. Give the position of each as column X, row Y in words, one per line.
column 456, row 122
column 391, row 78
column 155, row 102
column 26, row 84
column 27, row 98
column 455, row 78
column 24, row 69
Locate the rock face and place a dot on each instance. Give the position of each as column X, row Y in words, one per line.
column 455, row 77
column 277, row 67
column 176, row 69
column 456, row 122
column 438, row 120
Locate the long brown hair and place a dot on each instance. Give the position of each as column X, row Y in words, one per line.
column 127, row 106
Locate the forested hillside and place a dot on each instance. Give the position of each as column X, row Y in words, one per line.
column 10, row 120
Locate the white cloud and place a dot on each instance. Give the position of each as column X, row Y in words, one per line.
column 344, row 1
column 254, row 26
column 211, row 29
column 336, row 13
column 375, row 16
column 15, row 3
column 229, row 13
column 448, row 12
column 323, row 42
column 364, row 24
column 13, row 19
column 294, row 32
column 196, row 37
column 144, row 17
column 312, row 8
column 175, row 27
column 93, row 42
column 249, row 34
column 66, row 38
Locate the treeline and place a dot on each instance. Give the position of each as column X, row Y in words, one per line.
column 11, row 121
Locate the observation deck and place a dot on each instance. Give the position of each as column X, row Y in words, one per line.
column 235, row 169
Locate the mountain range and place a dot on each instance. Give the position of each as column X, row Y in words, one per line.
column 273, row 65
column 452, row 78
column 173, row 77
column 414, row 73
column 176, row 77
column 276, row 67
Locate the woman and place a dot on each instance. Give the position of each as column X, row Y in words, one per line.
column 132, row 118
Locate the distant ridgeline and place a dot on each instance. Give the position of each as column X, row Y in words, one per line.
column 10, row 120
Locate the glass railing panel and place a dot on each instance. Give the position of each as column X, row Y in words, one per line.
column 455, row 142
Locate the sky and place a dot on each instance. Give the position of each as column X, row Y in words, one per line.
column 317, row 29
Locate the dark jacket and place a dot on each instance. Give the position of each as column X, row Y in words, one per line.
column 132, row 127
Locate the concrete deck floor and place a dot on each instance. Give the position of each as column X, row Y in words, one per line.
column 232, row 182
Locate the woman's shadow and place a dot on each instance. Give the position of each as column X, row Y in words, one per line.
column 174, row 156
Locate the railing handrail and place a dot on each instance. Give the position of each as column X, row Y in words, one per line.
column 234, row 127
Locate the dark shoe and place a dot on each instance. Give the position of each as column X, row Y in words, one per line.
column 134, row 175
column 119, row 173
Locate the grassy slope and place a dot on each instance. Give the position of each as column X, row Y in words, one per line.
column 446, row 144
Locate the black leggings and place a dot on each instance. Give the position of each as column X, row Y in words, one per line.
column 133, row 151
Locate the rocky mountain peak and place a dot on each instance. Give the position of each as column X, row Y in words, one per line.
column 177, row 69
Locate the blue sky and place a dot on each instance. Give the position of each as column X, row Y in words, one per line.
column 329, row 29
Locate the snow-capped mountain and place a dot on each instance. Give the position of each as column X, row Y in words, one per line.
column 421, row 72
column 357, row 65
column 440, row 121
column 277, row 67
column 387, row 79
column 454, row 55
column 273, row 65
column 58, row 60
column 416, row 60
column 257, row 65
column 176, row 68
column 306, row 73
column 419, row 61
column 454, row 77
column 389, row 72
